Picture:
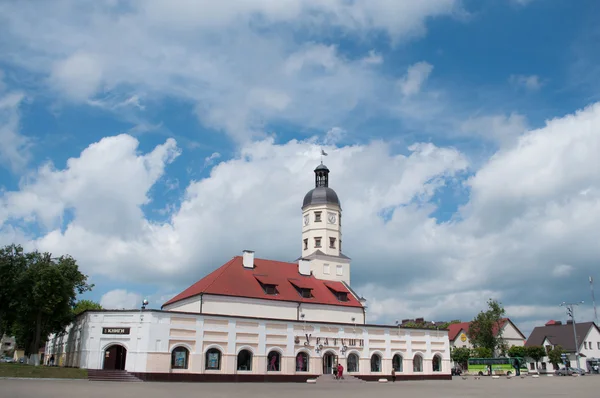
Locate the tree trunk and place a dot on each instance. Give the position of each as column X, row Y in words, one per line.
column 35, row 354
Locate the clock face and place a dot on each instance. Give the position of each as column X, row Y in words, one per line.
column 331, row 217
column 306, row 219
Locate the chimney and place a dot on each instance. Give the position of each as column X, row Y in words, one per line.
column 248, row 257
column 304, row 267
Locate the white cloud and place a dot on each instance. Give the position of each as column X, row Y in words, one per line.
column 562, row 270
column 501, row 129
column 120, row 299
column 209, row 160
column 531, row 82
column 415, row 76
column 14, row 147
column 525, row 215
column 334, row 135
column 193, row 51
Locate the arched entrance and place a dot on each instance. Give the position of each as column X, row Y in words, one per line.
column 330, row 360
column 114, row 357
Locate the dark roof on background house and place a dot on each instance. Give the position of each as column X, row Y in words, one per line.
column 233, row 279
column 455, row 328
column 560, row 334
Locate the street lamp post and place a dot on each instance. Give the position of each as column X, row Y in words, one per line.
column 571, row 313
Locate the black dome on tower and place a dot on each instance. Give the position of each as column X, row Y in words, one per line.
column 321, row 194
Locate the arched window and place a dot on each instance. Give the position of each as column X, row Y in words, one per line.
column 397, row 363
column 418, row 363
column 213, row 359
column 302, row 362
column 273, row 361
column 179, row 358
column 352, row 363
column 375, row 363
column 244, row 360
column 437, row 363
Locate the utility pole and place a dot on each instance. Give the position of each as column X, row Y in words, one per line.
column 593, row 300
column 571, row 313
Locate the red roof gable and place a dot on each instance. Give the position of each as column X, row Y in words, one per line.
column 455, row 328
column 232, row 279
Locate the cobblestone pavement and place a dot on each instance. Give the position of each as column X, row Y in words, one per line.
column 573, row 387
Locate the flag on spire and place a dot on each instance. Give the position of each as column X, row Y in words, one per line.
column 323, row 153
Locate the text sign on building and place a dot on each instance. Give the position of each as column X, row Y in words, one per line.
column 115, row 330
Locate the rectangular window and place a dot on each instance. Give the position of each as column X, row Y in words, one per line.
column 532, row 366
column 585, row 345
column 543, row 365
column 339, row 270
column 332, row 243
column 326, row 269
column 317, row 216
column 317, row 242
column 306, row 244
column 599, row 345
column 340, row 245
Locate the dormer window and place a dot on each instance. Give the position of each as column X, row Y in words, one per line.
column 271, row 290
column 268, row 285
column 341, row 296
column 317, row 216
column 317, row 242
column 303, row 289
column 332, row 243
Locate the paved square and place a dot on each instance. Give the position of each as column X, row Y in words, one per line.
column 574, row 387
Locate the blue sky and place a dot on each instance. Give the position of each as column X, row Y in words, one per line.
column 179, row 134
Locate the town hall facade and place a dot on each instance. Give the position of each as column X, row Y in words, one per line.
column 254, row 319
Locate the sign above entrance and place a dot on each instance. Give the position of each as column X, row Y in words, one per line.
column 115, row 330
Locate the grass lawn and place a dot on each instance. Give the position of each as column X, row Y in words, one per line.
column 41, row 372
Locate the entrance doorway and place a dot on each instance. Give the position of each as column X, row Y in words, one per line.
column 330, row 360
column 114, row 357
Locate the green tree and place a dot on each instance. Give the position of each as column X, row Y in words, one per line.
column 461, row 355
column 517, row 351
column 536, row 352
column 485, row 331
column 13, row 262
column 85, row 305
column 554, row 355
column 482, row 352
column 46, row 289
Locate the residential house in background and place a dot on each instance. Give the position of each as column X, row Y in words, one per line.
column 7, row 346
column 458, row 334
column 556, row 333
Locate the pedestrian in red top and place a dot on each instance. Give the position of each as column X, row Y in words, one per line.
column 340, row 370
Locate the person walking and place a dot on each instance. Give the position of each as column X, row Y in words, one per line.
column 340, row 371
column 393, row 375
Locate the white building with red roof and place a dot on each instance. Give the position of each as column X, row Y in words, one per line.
column 255, row 319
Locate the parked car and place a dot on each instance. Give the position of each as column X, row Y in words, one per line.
column 569, row 372
column 7, row 360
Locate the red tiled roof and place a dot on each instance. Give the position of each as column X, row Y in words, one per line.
column 455, row 328
column 266, row 280
column 336, row 286
column 232, row 279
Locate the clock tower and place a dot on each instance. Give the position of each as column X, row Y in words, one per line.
column 322, row 231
